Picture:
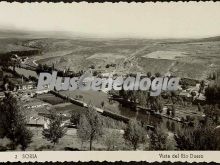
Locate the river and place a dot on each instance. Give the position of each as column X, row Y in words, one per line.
column 97, row 97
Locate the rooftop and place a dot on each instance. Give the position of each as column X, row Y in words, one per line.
column 19, row 81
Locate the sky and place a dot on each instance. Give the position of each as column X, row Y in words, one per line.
column 145, row 20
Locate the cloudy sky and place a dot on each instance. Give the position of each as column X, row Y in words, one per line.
column 150, row 20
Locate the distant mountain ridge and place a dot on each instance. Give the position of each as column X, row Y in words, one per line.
column 216, row 38
column 11, row 33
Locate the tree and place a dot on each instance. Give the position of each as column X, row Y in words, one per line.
column 82, row 131
column 212, row 94
column 157, row 74
column 5, row 79
column 173, row 111
column 168, row 111
column 200, row 107
column 90, row 126
column 75, row 118
column 157, row 105
column 25, row 139
column 142, row 97
column 168, row 126
column 149, row 74
column 173, row 97
column 135, row 134
column 107, row 66
column 158, row 139
column 45, row 67
column 202, row 86
column 190, row 120
column 13, row 123
column 212, row 112
column 95, row 73
column 123, row 94
column 102, row 104
column 198, row 138
column 113, row 140
column 39, row 68
column 53, row 66
column 55, row 130
column 92, row 66
column 173, row 127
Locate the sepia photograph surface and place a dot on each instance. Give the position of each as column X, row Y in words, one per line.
column 47, row 50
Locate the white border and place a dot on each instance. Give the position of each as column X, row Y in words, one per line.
column 110, row 156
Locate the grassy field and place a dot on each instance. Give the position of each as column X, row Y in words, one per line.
column 167, row 55
column 51, row 99
column 93, row 97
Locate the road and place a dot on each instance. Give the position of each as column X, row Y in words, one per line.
column 129, row 58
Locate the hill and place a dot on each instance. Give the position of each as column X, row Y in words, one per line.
column 192, row 58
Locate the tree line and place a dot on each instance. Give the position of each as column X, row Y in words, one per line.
column 90, row 128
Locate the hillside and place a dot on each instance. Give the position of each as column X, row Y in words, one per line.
column 182, row 57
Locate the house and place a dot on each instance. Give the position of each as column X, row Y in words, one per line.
column 27, row 85
column 106, row 75
column 185, row 94
column 20, row 84
column 200, row 98
column 194, row 88
column 35, row 104
column 42, row 91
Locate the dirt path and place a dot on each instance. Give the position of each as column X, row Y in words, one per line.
column 169, row 70
column 129, row 58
